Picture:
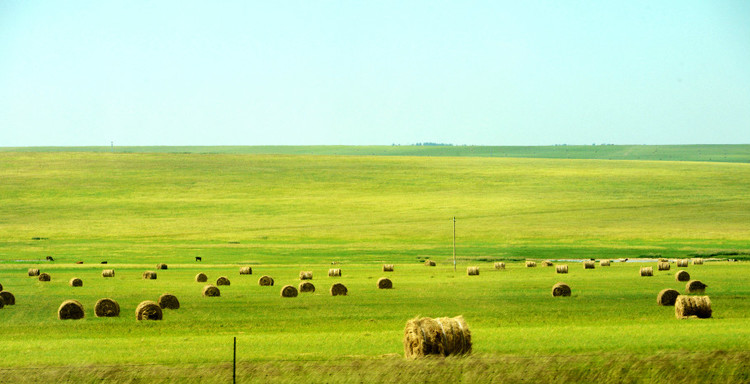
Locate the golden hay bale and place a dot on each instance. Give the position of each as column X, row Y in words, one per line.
column 44, row 277
column 387, row 267
column 604, row 263
column 547, row 263
column 223, row 281
column 663, row 260
column 2, row 303
column 429, row 263
column 563, row 268
column 306, row 286
column 106, row 307
column 1, row 287
column 682, row 276
column 70, row 310
column 667, row 297
column 8, row 298
column 695, row 286
column 168, row 301
column 33, row 272
column 697, row 261
column 211, row 291
column 472, row 271
column 108, row 273
column 161, row 266
column 149, row 275
column 442, row 336
column 265, row 281
column 76, row 282
column 589, row 264
column 246, row 271
column 692, row 306
column 683, row 263
column 305, row 275
column 334, row 272
column 530, row 264
column 201, row 278
column 663, row 266
column 499, row 265
column 647, row 271
column 148, row 310
column 560, row 289
column 385, row 283
column 289, row 291
column 339, row 289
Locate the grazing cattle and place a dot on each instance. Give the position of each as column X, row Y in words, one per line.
column 49, row 258
column 198, row 258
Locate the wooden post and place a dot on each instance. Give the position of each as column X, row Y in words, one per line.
column 234, row 362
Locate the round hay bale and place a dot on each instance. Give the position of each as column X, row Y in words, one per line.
column 472, row 271
column 682, row 276
column 211, row 291
column 560, row 289
column 385, row 283
column 334, row 272
column 663, row 260
column 289, row 291
column 76, row 282
column 667, row 297
column 683, row 263
column 443, row 336
column 223, row 281
column 246, row 271
column 339, row 289
column 647, row 271
column 429, row 263
column 562, row 268
column 530, row 264
column 33, row 272
column 1, row 287
column 2, row 303
column 387, row 267
column 305, row 275
column 547, row 263
column 663, row 266
column 265, row 281
column 201, row 278
column 70, row 310
column 168, row 301
column 148, row 310
column 161, row 266
column 306, row 286
column 499, row 265
column 44, row 277
column 8, row 298
column 149, row 275
column 692, row 306
column 106, row 307
column 695, row 286
column 108, row 273
column 589, row 264
column 604, row 263
column 697, row 261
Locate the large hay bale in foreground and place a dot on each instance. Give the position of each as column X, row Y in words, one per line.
column 682, row 276
column 560, row 289
column 429, row 263
column 472, row 271
column 306, row 286
column 697, row 261
column 387, row 267
column 339, row 289
column 201, row 278
column 647, row 271
column 692, row 306
column 334, row 272
column 589, row 264
column 246, row 271
column 223, row 280
column 562, row 268
column 667, row 297
column 663, row 266
column 8, row 298
column 442, row 336
column 305, row 275
column 547, row 263
column 149, row 275
column 2, row 303
column 76, row 282
column 1, row 287
column 168, row 301
column 211, row 291
column 148, row 310
column 70, row 310
column 33, row 272
column 682, row 263
column 106, row 307
column 161, row 266
column 265, row 281
column 499, row 265
column 530, row 264
column 695, row 286
column 44, row 277
column 289, row 291
column 604, row 263
column 108, row 273
column 385, row 283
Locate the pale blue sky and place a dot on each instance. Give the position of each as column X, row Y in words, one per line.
column 377, row 72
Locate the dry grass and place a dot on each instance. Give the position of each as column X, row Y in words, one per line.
column 265, row 281
column 201, row 277
column 443, row 336
column 682, row 276
column 692, row 307
column 561, row 289
column 339, row 289
column 667, row 297
column 148, row 310
column 385, row 283
column 387, row 267
column 149, row 275
column 306, row 286
column 305, row 275
column 647, row 271
column 334, row 272
column 106, row 307
column 472, row 271
column 108, row 273
column 168, row 301
column 211, row 291
column 223, row 280
column 76, row 282
column 695, row 286
column 663, row 265
column 246, row 271
column 562, row 268
column 70, row 310
column 289, row 291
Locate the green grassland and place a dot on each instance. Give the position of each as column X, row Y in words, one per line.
column 284, row 213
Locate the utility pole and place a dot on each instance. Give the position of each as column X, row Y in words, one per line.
column 454, row 243
column 234, row 362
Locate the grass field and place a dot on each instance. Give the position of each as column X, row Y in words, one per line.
column 284, row 213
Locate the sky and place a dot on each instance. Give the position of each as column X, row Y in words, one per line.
column 374, row 72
